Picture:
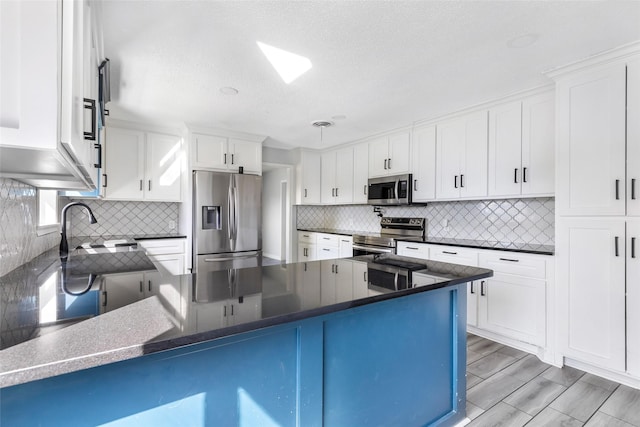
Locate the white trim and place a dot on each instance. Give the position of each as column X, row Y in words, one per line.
column 613, row 55
column 620, row 377
column 42, row 230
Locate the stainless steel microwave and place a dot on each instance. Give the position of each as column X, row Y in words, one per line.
column 390, row 190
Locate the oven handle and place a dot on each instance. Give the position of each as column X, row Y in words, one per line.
column 373, row 249
column 395, row 281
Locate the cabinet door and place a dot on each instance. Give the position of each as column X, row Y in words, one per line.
column 360, row 173
column 505, row 144
column 424, row 164
column 378, row 157
column 308, row 284
column 513, row 306
column 450, row 142
column 209, row 151
column 360, row 280
column 633, row 138
column 399, row 153
column 472, row 303
column 246, row 154
column 344, row 280
column 346, row 247
column 72, row 83
column 538, row 145
column 124, row 164
column 306, row 252
column 344, row 176
column 309, row 178
column 248, row 310
column 633, row 297
column 591, row 142
column 163, row 167
column 327, row 282
column 209, row 316
column 121, row 289
column 167, row 288
column 328, row 177
column 473, row 167
column 591, row 290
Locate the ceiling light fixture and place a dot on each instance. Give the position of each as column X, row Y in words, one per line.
column 523, row 41
column 322, row 124
column 288, row 65
column 228, row 90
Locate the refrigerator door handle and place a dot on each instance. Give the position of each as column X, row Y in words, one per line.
column 230, row 212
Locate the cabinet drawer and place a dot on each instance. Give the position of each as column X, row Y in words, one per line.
column 327, row 252
column 163, row 246
column 514, row 263
column 416, row 250
column 307, row 237
column 332, row 240
column 454, row 255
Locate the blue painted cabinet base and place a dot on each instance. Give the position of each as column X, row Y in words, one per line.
column 399, row 362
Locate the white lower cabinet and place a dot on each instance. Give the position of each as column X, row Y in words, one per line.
column 308, row 285
column 591, row 290
column 319, row 246
column 633, row 297
column 415, row 250
column 168, row 255
column 336, row 281
column 360, row 280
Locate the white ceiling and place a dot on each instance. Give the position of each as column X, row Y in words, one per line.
column 382, row 64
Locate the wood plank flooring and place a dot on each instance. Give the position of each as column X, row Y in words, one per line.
column 508, row 387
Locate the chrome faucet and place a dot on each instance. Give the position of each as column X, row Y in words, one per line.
column 64, row 246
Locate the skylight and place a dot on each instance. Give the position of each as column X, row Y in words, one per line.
column 289, row 65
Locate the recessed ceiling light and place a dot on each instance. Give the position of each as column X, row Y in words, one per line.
column 339, row 117
column 523, row 41
column 288, row 65
column 228, row 90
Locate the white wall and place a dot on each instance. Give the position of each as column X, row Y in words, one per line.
column 272, row 215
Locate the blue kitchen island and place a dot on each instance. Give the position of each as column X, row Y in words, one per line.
column 364, row 341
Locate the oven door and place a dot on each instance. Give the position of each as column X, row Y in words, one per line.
column 371, row 250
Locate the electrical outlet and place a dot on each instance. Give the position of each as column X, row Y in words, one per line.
column 172, row 225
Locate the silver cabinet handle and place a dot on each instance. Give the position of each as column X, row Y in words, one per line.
column 482, row 293
column 365, row 190
column 617, row 189
column 385, row 164
column 461, row 181
column 617, row 251
column 515, row 176
column 225, row 158
column 326, row 238
column 415, row 185
column 455, row 181
column 412, row 248
column 333, row 268
column 336, row 268
column 305, row 192
column 149, row 285
column 149, row 185
column 141, row 285
column 325, row 249
column 633, row 247
column 633, row 188
column 450, row 253
column 364, row 276
column 232, row 164
column 524, row 174
column 472, row 291
column 509, row 259
column 141, row 185
column 336, row 191
column 389, row 163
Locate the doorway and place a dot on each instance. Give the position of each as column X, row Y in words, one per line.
column 277, row 186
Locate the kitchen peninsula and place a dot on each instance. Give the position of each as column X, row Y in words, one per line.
column 335, row 342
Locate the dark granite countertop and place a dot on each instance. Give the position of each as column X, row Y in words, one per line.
column 47, row 332
column 536, row 249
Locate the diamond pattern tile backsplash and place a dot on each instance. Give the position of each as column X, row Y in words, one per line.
column 19, row 241
column 529, row 221
column 124, row 218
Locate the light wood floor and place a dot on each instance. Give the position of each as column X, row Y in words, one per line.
column 508, row 387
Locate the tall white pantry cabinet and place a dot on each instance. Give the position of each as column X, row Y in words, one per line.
column 598, row 212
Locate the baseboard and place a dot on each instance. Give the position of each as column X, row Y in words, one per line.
column 621, row 378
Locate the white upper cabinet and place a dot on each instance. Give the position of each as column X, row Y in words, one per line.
column 461, row 153
column 424, row 164
column 124, row 164
column 225, row 154
column 337, row 176
column 633, row 137
column 591, row 142
column 521, row 147
column 390, row 155
column 360, row 173
column 308, row 182
column 43, row 65
column 142, row 166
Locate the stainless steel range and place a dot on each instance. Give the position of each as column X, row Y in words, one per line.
column 391, row 228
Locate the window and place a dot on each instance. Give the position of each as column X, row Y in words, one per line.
column 48, row 221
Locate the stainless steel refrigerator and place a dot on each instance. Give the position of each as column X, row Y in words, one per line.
column 227, row 231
